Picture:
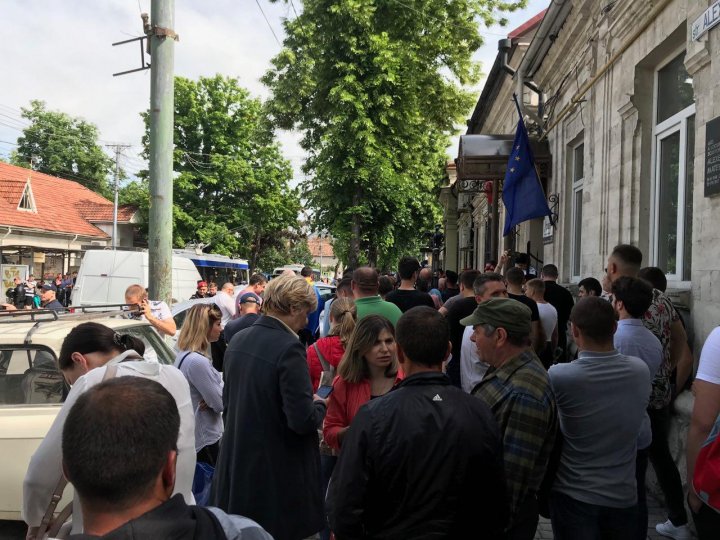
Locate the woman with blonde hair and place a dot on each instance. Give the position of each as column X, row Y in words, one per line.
column 325, row 354
column 269, row 463
column 368, row 369
column 200, row 329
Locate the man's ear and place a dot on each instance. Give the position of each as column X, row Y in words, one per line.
column 400, row 354
column 167, row 474
column 502, row 337
column 574, row 330
column 448, row 352
column 65, row 472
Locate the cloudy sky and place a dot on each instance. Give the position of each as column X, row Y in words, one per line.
column 61, row 53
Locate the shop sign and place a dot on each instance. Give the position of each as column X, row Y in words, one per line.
column 548, row 231
column 10, row 272
column 712, row 157
column 706, row 21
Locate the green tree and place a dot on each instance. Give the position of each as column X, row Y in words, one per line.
column 376, row 86
column 63, row 146
column 232, row 186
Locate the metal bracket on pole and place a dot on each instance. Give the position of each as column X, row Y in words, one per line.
column 145, row 65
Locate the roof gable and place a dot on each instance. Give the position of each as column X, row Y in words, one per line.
column 61, row 205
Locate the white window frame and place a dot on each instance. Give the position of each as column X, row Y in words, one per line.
column 578, row 184
column 27, row 195
column 676, row 123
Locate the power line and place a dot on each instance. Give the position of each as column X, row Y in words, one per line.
column 268, row 23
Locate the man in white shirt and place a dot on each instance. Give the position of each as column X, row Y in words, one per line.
column 156, row 312
column 225, row 300
column 535, row 290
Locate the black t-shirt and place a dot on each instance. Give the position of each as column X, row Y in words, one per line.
column 459, row 310
column 561, row 299
column 449, row 293
column 235, row 325
column 529, row 302
column 408, row 299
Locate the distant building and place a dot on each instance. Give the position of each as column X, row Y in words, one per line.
column 46, row 222
column 323, row 256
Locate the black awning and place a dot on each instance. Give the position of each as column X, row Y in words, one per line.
column 485, row 157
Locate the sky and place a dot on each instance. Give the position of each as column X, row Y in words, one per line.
column 61, row 53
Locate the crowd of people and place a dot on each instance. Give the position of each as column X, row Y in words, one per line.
column 51, row 292
column 400, row 409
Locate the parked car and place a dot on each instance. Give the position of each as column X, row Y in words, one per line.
column 32, row 387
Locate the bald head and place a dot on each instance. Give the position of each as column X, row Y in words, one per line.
column 365, row 282
column 425, row 274
column 228, row 288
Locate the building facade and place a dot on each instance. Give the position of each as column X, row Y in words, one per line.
column 629, row 108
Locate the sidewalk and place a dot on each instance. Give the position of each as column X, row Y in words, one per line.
column 656, row 514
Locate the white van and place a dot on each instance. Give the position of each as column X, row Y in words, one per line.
column 105, row 274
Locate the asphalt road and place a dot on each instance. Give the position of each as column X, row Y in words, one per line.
column 12, row 530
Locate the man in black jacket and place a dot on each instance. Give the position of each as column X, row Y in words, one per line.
column 132, row 498
column 425, row 460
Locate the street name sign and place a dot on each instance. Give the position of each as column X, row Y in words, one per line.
column 706, row 21
column 712, row 157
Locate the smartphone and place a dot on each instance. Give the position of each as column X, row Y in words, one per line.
column 324, row 391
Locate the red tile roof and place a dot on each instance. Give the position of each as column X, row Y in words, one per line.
column 320, row 247
column 62, row 205
column 527, row 25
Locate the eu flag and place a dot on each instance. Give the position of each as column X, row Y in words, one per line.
column 522, row 193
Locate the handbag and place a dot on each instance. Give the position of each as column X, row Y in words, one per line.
column 50, row 526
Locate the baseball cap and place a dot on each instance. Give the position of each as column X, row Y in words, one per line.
column 201, row 284
column 48, row 287
column 250, row 297
column 505, row 313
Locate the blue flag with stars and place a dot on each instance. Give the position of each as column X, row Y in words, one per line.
column 522, row 192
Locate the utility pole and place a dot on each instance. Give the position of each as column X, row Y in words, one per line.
column 118, row 151
column 162, row 106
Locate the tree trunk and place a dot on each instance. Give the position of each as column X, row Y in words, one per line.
column 354, row 251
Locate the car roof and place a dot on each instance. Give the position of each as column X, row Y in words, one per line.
column 187, row 304
column 50, row 331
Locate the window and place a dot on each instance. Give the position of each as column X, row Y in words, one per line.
column 27, row 201
column 674, row 133
column 578, row 176
column 30, row 376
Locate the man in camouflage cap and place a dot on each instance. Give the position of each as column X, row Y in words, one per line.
column 517, row 390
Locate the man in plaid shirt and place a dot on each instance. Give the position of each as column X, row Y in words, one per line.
column 517, row 390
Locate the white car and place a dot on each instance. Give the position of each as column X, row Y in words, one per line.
column 32, row 387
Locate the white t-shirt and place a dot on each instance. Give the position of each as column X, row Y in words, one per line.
column 548, row 319
column 45, row 467
column 709, row 367
column 472, row 369
column 226, row 303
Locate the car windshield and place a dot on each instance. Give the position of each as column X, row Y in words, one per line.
column 155, row 348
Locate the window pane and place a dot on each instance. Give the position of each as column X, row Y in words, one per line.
column 688, row 218
column 578, row 163
column 30, row 377
column 577, row 233
column 675, row 90
column 668, row 204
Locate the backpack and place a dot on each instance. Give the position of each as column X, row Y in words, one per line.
column 706, row 478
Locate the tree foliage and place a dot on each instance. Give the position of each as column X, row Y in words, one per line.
column 377, row 86
column 60, row 145
column 232, row 186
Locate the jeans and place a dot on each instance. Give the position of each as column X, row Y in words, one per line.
column 665, row 468
column 575, row 520
column 707, row 523
column 641, row 462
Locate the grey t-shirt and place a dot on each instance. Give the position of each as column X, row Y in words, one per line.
column 601, row 400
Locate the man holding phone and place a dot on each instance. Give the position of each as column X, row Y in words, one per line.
column 156, row 312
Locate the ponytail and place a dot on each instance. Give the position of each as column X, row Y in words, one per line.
column 95, row 337
column 343, row 314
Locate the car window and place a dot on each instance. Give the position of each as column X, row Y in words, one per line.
column 155, row 348
column 179, row 318
column 30, row 376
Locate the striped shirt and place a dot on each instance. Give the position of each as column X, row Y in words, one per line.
column 520, row 396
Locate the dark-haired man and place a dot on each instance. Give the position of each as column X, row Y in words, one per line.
column 256, row 285
column 601, row 399
column 589, row 287
column 664, row 322
column 381, row 487
column 364, row 284
column 563, row 302
column 406, row 296
column 452, row 287
column 456, row 308
column 515, row 279
column 518, row 392
column 631, row 298
column 132, row 498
